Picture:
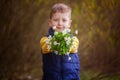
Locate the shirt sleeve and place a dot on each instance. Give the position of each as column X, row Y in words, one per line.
column 74, row 47
column 44, row 46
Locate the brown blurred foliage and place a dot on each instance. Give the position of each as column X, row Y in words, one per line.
column 24, row 22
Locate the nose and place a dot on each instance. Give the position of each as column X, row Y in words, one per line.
column 59, row 23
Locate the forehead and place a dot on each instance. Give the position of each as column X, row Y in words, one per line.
column 61, row 15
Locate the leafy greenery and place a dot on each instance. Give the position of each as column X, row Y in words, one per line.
column 24, row 22
column 92, row 75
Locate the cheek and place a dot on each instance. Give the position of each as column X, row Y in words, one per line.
column 67, row 24
column 54, row 23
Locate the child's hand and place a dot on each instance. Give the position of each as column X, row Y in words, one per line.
column 44, row 45
column 74, row 47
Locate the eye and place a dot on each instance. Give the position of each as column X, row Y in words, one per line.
column 64, row 20
column 55, row 19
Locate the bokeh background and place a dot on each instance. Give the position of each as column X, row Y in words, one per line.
column 24, row 22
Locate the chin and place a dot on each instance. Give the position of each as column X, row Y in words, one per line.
column 59, row 30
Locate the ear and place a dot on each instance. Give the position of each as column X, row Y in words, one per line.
column 49, row 23
column 70, row 22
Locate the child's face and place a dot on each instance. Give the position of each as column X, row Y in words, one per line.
column 61, row 21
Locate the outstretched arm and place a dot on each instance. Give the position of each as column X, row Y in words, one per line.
column 44, row 46
column 74, row 47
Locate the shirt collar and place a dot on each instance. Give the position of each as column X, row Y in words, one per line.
column 51, row 31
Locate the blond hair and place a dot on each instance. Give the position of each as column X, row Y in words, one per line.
column 60, row 7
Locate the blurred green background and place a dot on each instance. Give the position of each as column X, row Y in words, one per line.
column 24, row 22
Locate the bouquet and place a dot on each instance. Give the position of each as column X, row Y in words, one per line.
column 60, row 42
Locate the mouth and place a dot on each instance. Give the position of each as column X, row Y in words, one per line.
column 59, row 27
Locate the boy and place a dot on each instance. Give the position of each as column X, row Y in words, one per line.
column 59, row 67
